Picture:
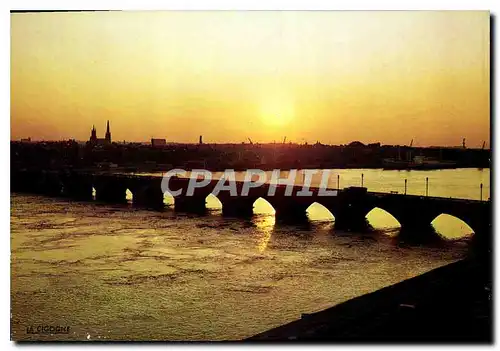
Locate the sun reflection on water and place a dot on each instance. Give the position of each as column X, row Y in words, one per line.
column 265, row 225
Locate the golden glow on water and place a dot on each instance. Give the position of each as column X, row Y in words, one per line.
column 135, row 274
column 265, row 225
column 93, row 193
column 381, row 219
column 451, row 227
column 318, row 212
column 262, row 206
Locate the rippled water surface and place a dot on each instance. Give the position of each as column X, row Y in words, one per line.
column 119, row 273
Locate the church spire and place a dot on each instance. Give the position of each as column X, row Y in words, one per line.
column 93, row 134
column 108, row 133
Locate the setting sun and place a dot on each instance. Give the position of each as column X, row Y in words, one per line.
column 277, row 113
column 276, row 120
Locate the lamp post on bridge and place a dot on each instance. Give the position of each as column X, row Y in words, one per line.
column 338, row 182
column 362, row 176
column 406, row 181
column 481, row 194
column 426, row 186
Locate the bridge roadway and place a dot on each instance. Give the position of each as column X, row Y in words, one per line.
column 349, row 207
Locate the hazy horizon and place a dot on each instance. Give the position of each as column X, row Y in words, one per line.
column 332, row 77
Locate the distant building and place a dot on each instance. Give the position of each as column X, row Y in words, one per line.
column 158, row 142
column 201, row 139
column 356, row 144
column 27, row 140
column 94, row 140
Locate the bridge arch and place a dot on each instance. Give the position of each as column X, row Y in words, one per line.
column 318, row 212
column 129, row 195
column 168, row 199
column 380, row 218
column 263, row 206
column 213, row 203
column 451, row 227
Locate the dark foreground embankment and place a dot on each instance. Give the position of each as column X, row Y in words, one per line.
column 449, row 304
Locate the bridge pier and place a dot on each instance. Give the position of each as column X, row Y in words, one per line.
column 420, row 234
column 291, row 212
column 78, row 191
column 351, row 211
column 482, row 240
column 417, row 226
column 148, row 198
column 193, row 204
column 351, row 219
column 36, row 182
column 51, row 184
column 237, row 206
column 77, row 187
column 111, row 193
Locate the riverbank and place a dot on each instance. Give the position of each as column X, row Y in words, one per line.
column 448, row 304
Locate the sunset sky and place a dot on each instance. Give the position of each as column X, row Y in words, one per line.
column 328, row 76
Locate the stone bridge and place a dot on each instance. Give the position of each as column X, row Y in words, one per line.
column 349, row 207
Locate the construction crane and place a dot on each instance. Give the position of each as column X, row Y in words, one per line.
column 411, row 142
column 284, row 140
column 484, row 144
column 463, row 143
column 250, row 140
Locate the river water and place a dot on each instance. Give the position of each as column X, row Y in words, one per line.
column 115, row 272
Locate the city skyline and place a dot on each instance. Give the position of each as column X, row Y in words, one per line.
column 333, row 77
column 107, row 141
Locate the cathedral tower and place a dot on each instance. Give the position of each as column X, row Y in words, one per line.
column 108, row 134
column 93, row 134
